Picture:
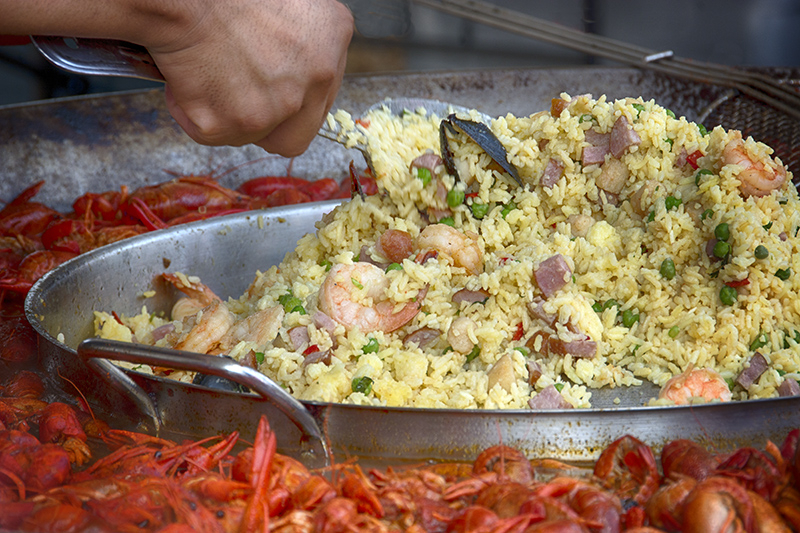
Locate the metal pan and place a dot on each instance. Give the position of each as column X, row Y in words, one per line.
column 225, row 252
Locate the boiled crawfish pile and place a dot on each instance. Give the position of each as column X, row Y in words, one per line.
column 35, row 238
column 50, row 482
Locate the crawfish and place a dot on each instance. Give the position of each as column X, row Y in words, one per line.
column 22, row 217
column 628, row 467
column 33, row 267
column 19, row 338
column 156, row 205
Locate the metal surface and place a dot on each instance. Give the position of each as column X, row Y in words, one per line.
column 98, row 57
column 103, row 142
column 115, row 278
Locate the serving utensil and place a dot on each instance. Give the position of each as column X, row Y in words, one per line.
column 106, row 57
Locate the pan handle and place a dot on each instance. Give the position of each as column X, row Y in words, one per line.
column 217, row 366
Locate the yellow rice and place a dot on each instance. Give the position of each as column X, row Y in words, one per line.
column 682, row 321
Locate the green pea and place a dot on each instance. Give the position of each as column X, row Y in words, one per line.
column 448, row 221
column 362, row 384
column 292, row 303
column 598, row 307
column 672, row 203
column 394, row 266
column 610, row 303
column 479, row 209
column 259, row 357
column 722, row 249
column 629, row 318
column 728, row 295
column 510, row 206
column 761, row 340
column 784, row 273
column 674, row 331
column 761, row 252
column 424, row 174
column 371, row 346
column 455, row 197
column 701, row 172
column 476, row 351
column 722, row 231
column 667, row 268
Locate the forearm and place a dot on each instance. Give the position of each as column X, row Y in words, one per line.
column 147, row 22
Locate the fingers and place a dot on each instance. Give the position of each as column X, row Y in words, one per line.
column 270, row 86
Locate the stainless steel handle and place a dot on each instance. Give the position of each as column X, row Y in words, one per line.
column 217, row 366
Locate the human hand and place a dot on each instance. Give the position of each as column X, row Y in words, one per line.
column 264, row 72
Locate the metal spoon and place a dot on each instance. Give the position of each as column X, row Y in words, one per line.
column 105, row 57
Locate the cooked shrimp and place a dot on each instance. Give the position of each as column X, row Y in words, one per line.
column 757, row 179
column 191, row 288
column 260, row 328
column 462, row 248
column 203, row 331
column 354, row 296
column 702, row 383
column 198, row 296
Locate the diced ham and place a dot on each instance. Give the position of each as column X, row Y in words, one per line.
column 365, row 257
column 613, row 176
column 552, row 173
column 466, row 295
column 583, row 347
column 299, row 337
column 789, row 387
column 681, row 160
column 622, row 137
column 595, row 154
column 249, row 360
column 757, row 366
column 536, row 310
column 323, row 321
column 534, row 372
column 319, row 356
column 423, row 337
column 552, row 274
column 428, row 160
column 549, row 398
column 395, row 245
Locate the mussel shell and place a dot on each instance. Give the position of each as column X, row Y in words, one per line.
column 483, row 137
